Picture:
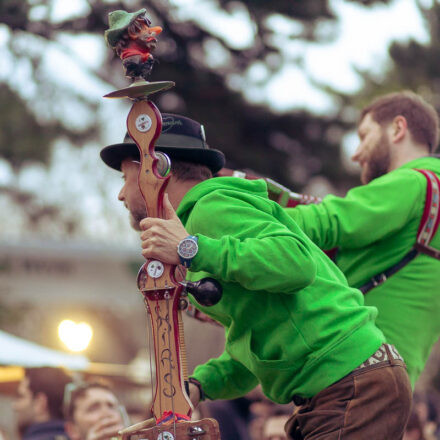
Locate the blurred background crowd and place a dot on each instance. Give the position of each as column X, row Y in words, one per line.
column 278, row 86
column 49, row 403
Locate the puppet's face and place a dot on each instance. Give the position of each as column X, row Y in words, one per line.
column 141, row 31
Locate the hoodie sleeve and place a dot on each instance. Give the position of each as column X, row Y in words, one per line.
column 242, row 244
column 368, row 213
column 224, row 378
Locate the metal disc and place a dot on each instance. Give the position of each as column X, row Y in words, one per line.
column 140, row 88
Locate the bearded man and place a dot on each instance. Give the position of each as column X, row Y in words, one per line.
column 292, row 324
column 376, row 225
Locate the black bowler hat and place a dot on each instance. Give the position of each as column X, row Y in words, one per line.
column 181, row 139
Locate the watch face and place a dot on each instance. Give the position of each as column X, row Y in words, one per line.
column 187, row 248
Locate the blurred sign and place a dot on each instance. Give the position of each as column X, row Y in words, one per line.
column 68, row 272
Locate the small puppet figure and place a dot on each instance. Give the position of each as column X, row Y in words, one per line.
column 133, row 39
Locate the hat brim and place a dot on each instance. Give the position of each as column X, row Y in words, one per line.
column 114, row 155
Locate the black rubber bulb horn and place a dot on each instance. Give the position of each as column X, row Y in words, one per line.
column 207, row 291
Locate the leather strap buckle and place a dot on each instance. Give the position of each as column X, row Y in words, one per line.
column 378, row 279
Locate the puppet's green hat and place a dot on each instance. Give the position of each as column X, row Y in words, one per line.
column 118, row 21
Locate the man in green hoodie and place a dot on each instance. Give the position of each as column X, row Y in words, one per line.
column 292, row 322
column 375, row 226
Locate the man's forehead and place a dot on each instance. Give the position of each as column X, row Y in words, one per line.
column 366, row 122
column 129, row 163
column 366, row 119
column 97, row 394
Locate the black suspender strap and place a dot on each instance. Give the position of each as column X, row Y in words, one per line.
column 377, row 280
column 427, row 229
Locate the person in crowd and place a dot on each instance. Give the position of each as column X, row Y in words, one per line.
column 3, row 434
column 292, row 323
column 273, row 427
column 426, row 407
column 92, row 413
column 233, row 417
column 414, row 428
column 38, row 405
column 384, row 230
column 269, row 418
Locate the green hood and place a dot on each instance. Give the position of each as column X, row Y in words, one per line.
column 256, row 188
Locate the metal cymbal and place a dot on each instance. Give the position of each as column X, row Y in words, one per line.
column 140, row 88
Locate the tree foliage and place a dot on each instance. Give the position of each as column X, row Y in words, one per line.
column 412, row 65
column 290, row 148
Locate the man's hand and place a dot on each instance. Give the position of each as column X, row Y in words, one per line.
column 105, row 428
column 194, row 394
column 160, row 237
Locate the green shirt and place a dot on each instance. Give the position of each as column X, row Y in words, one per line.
column 292, row 323
column 374, row 226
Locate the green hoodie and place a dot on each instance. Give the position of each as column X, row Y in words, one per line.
column 374, row 226
column 292, row 323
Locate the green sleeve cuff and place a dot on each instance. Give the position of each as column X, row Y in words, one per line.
column 207, row 246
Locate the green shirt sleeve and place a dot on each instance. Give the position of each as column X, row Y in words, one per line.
column 238, row 243
column 224, row 378
column 368, row 213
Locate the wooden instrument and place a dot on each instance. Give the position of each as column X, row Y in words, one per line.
column 160, row 284
column 277, row 192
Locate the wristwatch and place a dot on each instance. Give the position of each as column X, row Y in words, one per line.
column 187, row 250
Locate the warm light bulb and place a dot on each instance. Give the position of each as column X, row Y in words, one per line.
column 75, row 336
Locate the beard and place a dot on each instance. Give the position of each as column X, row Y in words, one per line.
column 379, row 161
column 136, row 216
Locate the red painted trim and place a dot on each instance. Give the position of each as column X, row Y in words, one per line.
column 429, row 204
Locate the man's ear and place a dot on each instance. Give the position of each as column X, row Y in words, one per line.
column 399, row 128
column 72, row 430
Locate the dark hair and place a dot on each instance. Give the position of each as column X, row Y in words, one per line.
column 50, row 382
column 421, row 117
column 184, row 171
column 74, row 392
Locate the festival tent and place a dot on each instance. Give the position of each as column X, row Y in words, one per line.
column 18, row 351
column 16, row 354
